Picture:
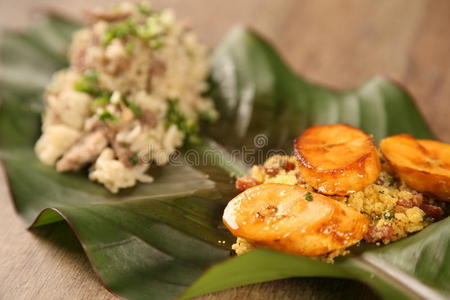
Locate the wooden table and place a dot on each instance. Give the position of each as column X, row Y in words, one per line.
column 338, row 43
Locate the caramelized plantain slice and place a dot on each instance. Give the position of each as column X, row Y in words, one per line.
column 291, row 219
column 424, row 165
column 337, row 159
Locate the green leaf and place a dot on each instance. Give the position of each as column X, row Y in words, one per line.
column 257, row 94
column 154, row 240
column 264, row 265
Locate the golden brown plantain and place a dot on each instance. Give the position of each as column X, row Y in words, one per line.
column 291, row 219
column 424, row 165
column 337, row 159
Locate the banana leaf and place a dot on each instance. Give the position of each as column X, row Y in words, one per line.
column 166, row 239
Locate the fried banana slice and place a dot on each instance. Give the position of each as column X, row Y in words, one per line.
column 424, row 165
column 337, row 159
column 291, row 219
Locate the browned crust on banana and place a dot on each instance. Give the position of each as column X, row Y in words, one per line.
column 279, row 216
column 318, row 178
column 419, row 179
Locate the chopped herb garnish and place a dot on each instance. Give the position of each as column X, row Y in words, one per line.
column 381, row 192
column 155, row 43
column 209, row 116
column 134, row 160
column 388, row 216
column 91, row 76
column 144, row 8
column 107, row 116
column 119, row 30
column 194, row 140
column 135, row 109
column 100, row 101
column 88, row 84
column 309, row 196
column 189, row 127
column 173, row 115
column 129, row 47
column 150, row 31
column 391, row 180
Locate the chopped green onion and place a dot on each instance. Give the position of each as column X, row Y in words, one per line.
column 134, row 160
column 189, row 127
column 91, row 75
column 87, row 82
column 100, row 101
column 150, row 31
column 391, row 180
column 135, row 109
column 144, row 8
column 155, row 43
column 107, row 116
column 309, row 196
column 129, row 47
column 194, row 140
column 119, row 30
column 209, row 116
column 388, row 216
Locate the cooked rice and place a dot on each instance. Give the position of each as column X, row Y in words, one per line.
column 136, row 79
column 395, row 210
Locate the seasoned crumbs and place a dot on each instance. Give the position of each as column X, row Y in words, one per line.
column 394, row 209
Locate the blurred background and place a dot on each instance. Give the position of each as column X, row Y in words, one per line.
column 338, row 43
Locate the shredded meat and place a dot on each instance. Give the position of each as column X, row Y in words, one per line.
column 432, row 211
column 78, row 59
column 400, row 209
column 123, row 154
column 149, row 118
column 117, row 65
column 246, row 182
column 416, row 200
column 86, row 150
column 289, row 166
column 378, row 233
column 126, row 115
column 78, row 54
column 158, row 68
column 273, row 166
column 108, row 131
column 379, row 181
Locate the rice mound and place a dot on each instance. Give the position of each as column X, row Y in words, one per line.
column 394, row 209
column 131, row 96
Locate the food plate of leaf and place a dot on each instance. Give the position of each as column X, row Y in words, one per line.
column 166, row 239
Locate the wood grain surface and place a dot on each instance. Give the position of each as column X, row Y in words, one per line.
column 338, row 43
